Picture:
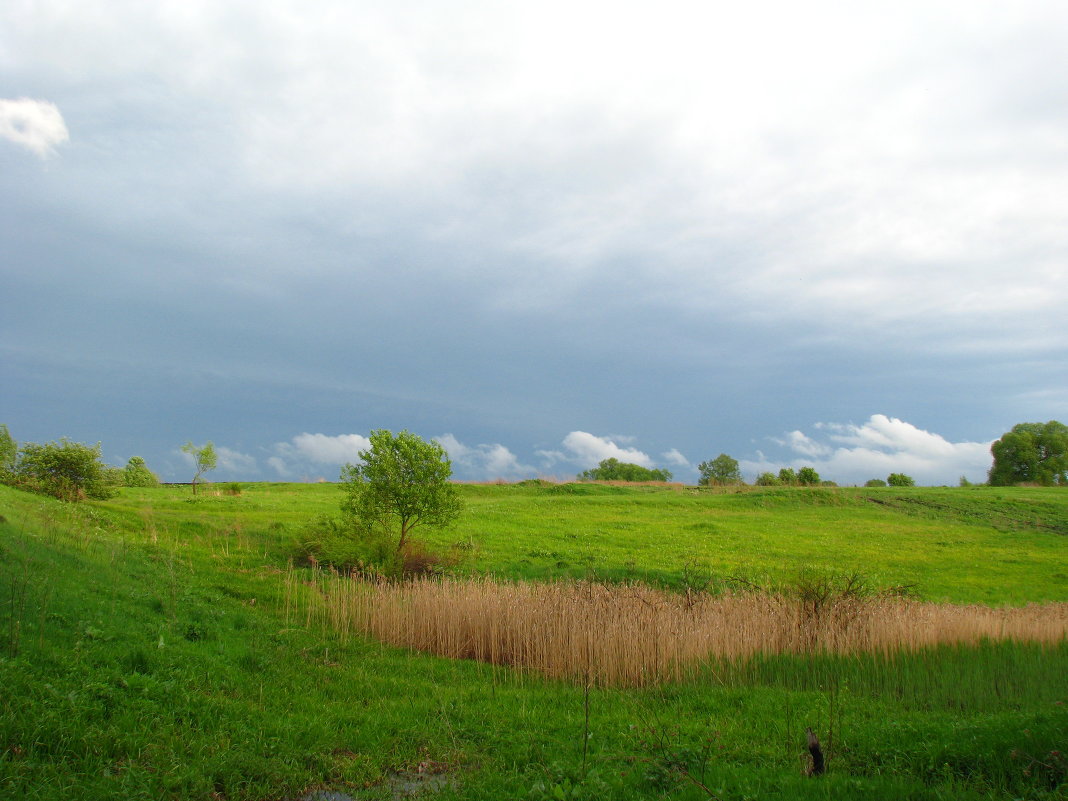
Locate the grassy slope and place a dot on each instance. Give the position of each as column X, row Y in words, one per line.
column 145, row 653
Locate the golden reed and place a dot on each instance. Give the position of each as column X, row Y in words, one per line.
column 632, row 635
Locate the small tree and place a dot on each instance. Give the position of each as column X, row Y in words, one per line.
column 614, row 470
column 787, row 476
column 137, row 474
column 900, row 480
column 204, row 459
column 808, row 477
column 401, row 483
column 720, row 471
column 874, row 482
column 767, row 480
column 67, row 470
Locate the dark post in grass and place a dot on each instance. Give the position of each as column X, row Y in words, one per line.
column 814, row 749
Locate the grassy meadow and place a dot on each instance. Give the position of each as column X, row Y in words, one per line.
column 160, row 646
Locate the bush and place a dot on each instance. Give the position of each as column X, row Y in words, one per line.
column 340, row 543
column 900, row 480
column 8, row 453
column 808, row 477
column 137, row 474
column 615, row 470
column 767, row 480
column 66, row 470
column 874, row 482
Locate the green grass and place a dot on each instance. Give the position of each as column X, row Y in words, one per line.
column 145, row 653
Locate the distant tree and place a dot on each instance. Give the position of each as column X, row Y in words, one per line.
column 66, row 470
column 874, row 482
column 964, row 482
column 8, row 452
column 767, row 480
column 808, row 477
column 401, row 483
column 720, row 471
column 614, row 470
column 204, row 459
column 1031, row 453
column 787, row 476
column 137, row 474
column 900, row 480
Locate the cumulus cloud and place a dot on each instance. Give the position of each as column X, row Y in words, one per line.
column 324, row 449
column 235, row 461
column 675, row 457
column 36, row 125
column 588, row 450
column 306, row 454
column 483, row 461
column 854, row 453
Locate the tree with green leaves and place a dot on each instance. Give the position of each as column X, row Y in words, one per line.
column 401, row 483
column 767, row 480
column 137, row 474
column 720, row 471
column 204, row 459
column 874, row 482
column 614, row 470
column 900, row 480
column 808, row 477
column 67, row 470
column 1031, row 453
column 787, row 476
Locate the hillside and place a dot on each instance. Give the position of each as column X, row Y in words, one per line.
column 153, row 646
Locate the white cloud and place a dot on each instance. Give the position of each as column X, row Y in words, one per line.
column 675, row 457
column 483, row 461
column 588, row 450
column 323, row 449
column 305, row 453
column 235, row 461
column 278, row 464
column 36, row 125
column 883, row 445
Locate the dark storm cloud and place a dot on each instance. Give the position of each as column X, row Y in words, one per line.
column 480, row 224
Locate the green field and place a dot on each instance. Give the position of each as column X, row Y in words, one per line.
column 146, row 652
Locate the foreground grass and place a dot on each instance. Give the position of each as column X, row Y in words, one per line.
column 145, row 654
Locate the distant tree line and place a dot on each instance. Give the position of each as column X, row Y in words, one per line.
column 615, row 470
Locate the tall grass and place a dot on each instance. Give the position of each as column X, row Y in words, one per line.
column 633, row 635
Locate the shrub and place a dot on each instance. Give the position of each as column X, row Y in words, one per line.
column 66, row 470
column 8, row 452
column 615, row 470
column 900, row 480
column 767, row 480
column 874, row 482
column 137, row 474
column 807, row 476
column 340, row 543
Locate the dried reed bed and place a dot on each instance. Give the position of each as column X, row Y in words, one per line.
column 632, row 635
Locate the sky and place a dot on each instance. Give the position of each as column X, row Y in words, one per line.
column 829, row 234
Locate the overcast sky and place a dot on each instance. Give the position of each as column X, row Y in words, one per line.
column 823, row 233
